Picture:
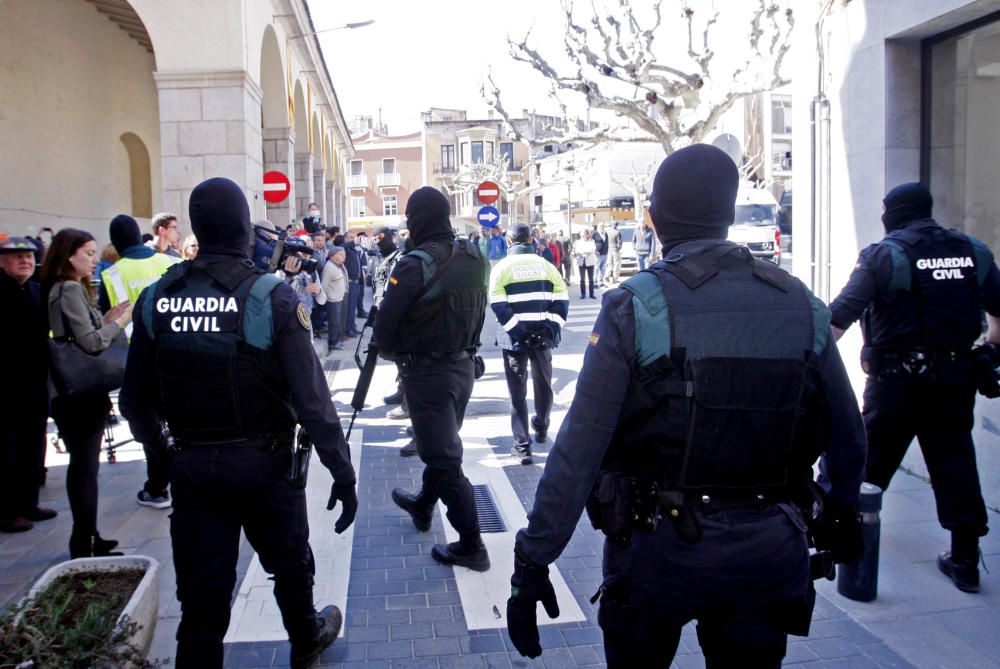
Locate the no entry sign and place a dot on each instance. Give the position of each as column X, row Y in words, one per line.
column 276, row 186
column 488, row 192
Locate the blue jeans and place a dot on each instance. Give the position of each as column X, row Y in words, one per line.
column 334, row 319
column 602, row 263
column 642, row 258
column 353, row 295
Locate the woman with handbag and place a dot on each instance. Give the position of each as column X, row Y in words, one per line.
column 80, row 416
column 585, row 251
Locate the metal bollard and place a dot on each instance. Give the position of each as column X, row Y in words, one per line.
column 858, row 580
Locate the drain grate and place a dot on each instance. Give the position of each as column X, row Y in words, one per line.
column 486, row 509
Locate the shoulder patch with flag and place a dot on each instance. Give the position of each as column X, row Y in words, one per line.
column 594, row 338
column 393, row 280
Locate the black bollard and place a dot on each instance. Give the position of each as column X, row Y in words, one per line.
column 858, row 580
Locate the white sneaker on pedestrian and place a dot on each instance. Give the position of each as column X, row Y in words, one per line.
column 146, row 499
column 398, row 413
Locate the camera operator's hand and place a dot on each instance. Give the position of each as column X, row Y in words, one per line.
column 313, row 288
column 529, row 584
column 293, row 265
column 347, row 494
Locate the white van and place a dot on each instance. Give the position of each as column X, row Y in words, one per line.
column 756, row 223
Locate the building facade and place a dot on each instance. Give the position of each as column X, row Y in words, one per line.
column 124, row 106
column 896, row 92
column 380, row 177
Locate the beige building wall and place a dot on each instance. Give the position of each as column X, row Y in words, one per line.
column 871, row 76
column 202, row 87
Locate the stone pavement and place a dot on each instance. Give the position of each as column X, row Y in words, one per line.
column 404, row 610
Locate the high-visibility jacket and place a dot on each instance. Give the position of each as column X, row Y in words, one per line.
column 126, row 278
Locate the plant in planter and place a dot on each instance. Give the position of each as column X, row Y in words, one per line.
column 77, row 617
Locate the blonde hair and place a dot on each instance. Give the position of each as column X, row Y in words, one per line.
column 189, row 247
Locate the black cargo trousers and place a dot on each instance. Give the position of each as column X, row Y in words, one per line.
column 437, row 391
column 746, row 582
column 936, row 408
column 216, row 493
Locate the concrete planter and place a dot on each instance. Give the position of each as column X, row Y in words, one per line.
column 141, row 608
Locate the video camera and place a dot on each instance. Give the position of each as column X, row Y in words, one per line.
column 271, row 248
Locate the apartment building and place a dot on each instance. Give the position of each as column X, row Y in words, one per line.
column 384, row 171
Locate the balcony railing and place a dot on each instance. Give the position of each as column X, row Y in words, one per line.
column 444, row 169
column 357, row 181
column 388, row 179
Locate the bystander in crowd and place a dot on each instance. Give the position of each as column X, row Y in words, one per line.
column 23, row 393
column 72, row 311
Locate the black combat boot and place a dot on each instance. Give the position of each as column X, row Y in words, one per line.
column 961, row 563
column 395, row 398
column 522, row 452
column 329, row 622
column 409, row 450
column 419, row 511
column 541, row 431
column 469, row 553
column 963, row 573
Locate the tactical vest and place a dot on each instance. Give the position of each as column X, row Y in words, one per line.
column 723, row 346
column 449, row 316
column 933, row 297
column 219, row 377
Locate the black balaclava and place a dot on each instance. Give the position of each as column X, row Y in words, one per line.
column 220, row 218
column 427, row 215
column 125, row 233
column 387, row 244
column 904, row 203
column 694, row 195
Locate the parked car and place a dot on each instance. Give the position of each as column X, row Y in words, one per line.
column 756, row 224
column 630, row 264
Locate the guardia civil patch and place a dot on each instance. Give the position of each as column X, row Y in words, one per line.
column 303, row 315
column 594, row 338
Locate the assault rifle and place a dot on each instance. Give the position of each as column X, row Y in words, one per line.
column 367, row 369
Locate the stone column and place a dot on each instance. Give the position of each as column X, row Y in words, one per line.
column 303, row 183
column 330, row 202
column 319, row 193
column 209, row 127
column 279, row 155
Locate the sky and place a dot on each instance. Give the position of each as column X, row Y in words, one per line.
column 419, row 55
column 436, row 53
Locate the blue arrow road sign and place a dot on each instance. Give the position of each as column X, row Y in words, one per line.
column 488, row 217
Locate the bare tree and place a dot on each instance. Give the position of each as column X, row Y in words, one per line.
column 613, row 67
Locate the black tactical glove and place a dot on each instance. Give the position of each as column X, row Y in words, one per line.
column 347, row 494
column 529, row 584
column 840, row 533
column 986, row 359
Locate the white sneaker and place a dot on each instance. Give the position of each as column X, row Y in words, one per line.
column 145, row 499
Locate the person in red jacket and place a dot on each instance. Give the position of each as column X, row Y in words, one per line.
column 556, row 249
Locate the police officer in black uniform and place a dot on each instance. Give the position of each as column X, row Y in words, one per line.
column 710, row 386
column 920, row 293
column 429, row 323
column 222, row 354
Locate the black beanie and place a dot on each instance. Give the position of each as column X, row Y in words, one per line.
column 427, row 215
column 694, row 194
column 906, row 202
column 125, row 233
column 220, row 217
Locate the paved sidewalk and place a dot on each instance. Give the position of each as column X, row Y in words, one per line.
column 404, row 610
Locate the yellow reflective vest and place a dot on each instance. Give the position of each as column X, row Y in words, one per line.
column 126, row 278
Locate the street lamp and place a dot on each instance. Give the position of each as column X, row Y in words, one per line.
column 569, row 169
column 346, row 26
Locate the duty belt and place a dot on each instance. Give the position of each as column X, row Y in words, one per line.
column 276, row 442
column 653, row 504
column 913, row 362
